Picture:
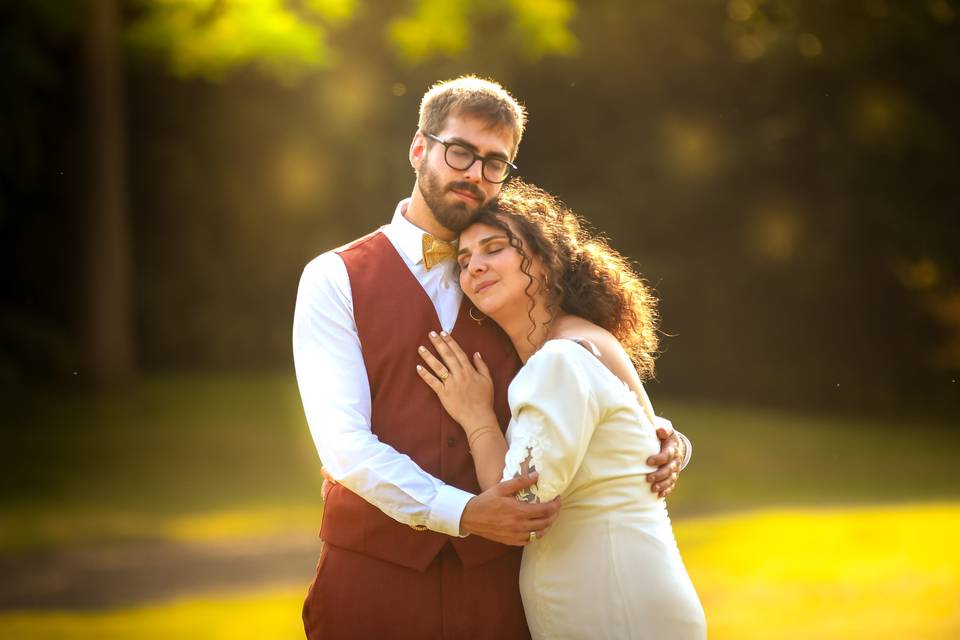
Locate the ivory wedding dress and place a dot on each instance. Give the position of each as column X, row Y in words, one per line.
column 609, row 567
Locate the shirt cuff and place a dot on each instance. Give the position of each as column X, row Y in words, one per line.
column 447, row 509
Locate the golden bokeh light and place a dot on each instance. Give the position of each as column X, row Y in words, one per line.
column 740, row 10
column 690, row 147
column 775, row 233
column 941, row 11
column 920, row 274
column 809, row 45
column 300, row 177
column 878, row 112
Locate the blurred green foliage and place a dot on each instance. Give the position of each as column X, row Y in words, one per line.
column 287, row 40
column 211, row 37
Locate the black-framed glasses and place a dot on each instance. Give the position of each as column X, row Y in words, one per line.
column 461, row 158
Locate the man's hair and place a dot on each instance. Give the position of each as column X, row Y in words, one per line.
column 470, row 95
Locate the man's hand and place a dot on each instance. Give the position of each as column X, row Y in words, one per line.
column 669, row 461
column 497, row 515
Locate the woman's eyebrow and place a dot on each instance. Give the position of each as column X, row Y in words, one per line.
column 482, row 242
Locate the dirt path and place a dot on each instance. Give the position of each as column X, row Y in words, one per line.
column 137, row 573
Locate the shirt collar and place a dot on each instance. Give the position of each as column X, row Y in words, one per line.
column 406, row 236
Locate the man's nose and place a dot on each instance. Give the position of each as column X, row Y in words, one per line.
column 474, row 173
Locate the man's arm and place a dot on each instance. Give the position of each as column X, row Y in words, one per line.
column 336, row 400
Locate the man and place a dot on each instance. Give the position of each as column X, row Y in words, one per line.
column 409, row 549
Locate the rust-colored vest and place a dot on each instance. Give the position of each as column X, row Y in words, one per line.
column 393, row 315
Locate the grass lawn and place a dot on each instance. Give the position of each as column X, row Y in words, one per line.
column 207, row 456
column 792, row 525
column 879, row 573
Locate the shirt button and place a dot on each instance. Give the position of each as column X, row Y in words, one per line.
column 451, row 442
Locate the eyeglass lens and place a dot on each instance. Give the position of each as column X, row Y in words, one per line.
column 461, row 158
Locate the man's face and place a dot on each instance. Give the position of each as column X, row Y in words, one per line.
column 454, row 196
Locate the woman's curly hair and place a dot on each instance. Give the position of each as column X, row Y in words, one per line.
column 585, row 276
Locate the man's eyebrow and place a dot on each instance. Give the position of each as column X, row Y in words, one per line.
column 473, row 147
column 482, row 242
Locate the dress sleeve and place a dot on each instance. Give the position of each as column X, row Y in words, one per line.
column 554, row 411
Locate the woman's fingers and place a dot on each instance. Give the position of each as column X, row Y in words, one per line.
column 442, row 372
column 481, row 366
column 455, row 348
column 430, row 379
column 449, row 357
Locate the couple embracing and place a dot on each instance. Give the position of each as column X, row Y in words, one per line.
column 471, row 374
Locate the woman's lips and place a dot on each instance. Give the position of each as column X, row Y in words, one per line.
column 484, row 285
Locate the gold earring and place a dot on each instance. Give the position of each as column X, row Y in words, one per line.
column 479, row 320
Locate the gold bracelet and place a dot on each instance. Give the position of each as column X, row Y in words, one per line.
column 478, row 433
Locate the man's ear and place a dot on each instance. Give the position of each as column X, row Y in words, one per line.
column 418, row 149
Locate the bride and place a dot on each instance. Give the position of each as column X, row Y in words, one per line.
column 583, row 323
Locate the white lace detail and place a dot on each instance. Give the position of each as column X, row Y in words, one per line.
column 526, row 445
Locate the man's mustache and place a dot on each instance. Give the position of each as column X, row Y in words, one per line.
column 472, row 189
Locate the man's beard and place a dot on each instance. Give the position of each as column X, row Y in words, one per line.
column 454, row 215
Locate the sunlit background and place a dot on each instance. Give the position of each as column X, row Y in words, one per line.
column 786, row 173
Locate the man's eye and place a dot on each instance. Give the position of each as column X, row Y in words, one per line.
column 459, row 153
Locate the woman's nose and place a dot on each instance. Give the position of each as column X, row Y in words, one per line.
column 476, row 266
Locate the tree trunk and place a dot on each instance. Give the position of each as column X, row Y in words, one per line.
column 107, row 305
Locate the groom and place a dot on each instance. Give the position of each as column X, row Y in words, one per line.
column 412, row 548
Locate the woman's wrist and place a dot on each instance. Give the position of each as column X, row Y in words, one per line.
column 480, row 422
column 481, row 433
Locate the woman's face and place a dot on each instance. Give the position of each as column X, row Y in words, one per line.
column 490, row 274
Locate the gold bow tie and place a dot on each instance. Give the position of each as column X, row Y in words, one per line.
column 436, row 251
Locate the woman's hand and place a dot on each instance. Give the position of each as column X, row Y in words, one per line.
column 465, row 388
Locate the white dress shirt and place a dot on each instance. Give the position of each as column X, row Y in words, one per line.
column 336, row 392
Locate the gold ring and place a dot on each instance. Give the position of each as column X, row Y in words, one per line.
column 533, row 536
column 443, row 374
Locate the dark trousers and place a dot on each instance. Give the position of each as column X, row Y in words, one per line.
column 356, row 597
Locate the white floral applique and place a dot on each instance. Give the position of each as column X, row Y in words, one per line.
column 526, row 450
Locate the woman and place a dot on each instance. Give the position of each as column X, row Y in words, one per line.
column 579, row 318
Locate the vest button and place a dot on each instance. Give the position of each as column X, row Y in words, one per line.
column 451, row 442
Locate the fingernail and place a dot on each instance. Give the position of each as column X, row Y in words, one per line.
column 422, row 348
column 443, row 333
column 477, row 354
column 419, row 368
column 433, row 334
column 649, row 460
